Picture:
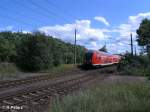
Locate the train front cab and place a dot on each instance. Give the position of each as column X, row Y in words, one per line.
column 88, row 59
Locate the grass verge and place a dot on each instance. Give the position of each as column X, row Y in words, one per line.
column 136, row 71
column 117, row 97
column 8, row 70
column 60, row 69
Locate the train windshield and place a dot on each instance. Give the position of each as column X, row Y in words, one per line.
column 88, row 56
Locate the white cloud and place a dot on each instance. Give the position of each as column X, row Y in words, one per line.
column 102, row 19
column 137, row 18
column 7, row 28
column 86, row 35
column 132, row 25
column 124, row 30
column 95, row 38
column 25, row 31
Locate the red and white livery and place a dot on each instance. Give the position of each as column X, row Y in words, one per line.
column 99, row 58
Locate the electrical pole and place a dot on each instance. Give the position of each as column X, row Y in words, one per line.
column 131, row 45
column 135, row 50
column 75, row 46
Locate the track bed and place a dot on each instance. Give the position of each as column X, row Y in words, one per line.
column 34, row 98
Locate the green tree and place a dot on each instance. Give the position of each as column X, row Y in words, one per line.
column 7, row 47
column 34, row 53
column 80, row 54
column 57, row 53
column 143, row 37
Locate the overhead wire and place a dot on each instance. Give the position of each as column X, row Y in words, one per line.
column 48, row 11
column 66, row 13
column 14, row 19
column 37, row 5
column 43, row 15
column 60, row 8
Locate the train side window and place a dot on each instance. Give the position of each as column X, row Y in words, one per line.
column 96, row 57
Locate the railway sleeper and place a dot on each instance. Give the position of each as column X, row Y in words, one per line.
column 17, row 99
column 7, row 102
column 26, row 96
column 39, row 92
column 33, row 94
column 47, row 91
column 55, row 89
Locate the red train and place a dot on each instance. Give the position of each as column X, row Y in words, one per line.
column 99, row 58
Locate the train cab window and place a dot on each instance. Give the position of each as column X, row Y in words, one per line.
column 88, row 56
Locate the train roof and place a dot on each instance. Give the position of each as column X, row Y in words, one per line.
column 103, row 53
column 92, row 51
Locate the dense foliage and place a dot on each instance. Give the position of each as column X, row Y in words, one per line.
column 8, row 42
column 143, row 37
column 139, row 65
column 135, row 65
column 36, row 51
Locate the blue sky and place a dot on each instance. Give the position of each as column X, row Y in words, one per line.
column 97, row 21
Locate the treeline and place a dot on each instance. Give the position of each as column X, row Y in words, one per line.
column 36, row 51
column 139, row 64
column 135, row 65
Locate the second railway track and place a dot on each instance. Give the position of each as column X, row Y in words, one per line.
column 33, row 79
column 37, row 96
column 41, row 95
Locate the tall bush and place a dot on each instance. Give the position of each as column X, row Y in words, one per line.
column 34, row 53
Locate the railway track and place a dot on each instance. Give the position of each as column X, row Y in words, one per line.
column 39, row 96
column 33, row 79
column 6, row 84
column 29, row 80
